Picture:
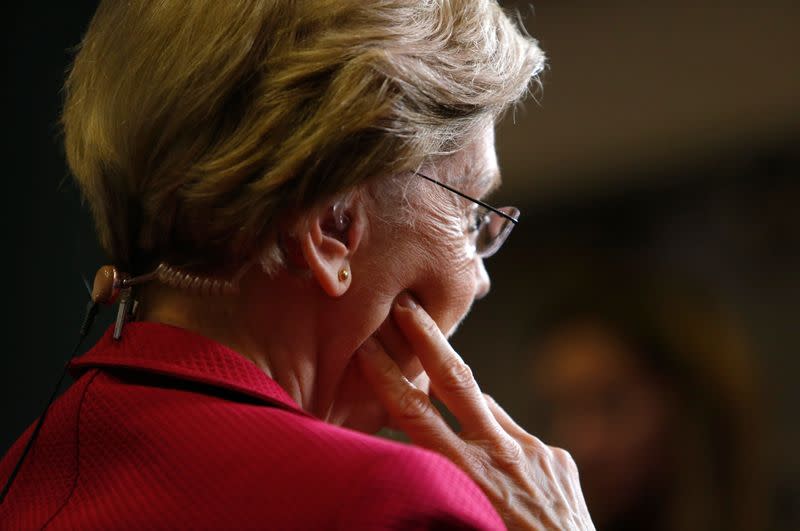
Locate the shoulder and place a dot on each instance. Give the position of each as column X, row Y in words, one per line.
column 262, row 460
column 407, row 487
column 381, row 484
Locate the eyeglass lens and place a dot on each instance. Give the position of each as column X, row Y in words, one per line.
column 494, row 231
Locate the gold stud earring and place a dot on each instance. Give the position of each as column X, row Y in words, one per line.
column 344, row 274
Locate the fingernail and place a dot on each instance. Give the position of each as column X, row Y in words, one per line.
column 406, row 301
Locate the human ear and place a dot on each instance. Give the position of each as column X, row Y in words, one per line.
column 328, row 244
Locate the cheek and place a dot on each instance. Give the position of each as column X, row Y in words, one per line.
column 433, row 259
column 452, row 279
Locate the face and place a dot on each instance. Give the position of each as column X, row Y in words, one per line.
column 609, row 413
column 432, row 257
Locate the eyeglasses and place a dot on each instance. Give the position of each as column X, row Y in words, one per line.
column 489, row 226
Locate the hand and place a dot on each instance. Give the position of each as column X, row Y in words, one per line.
column 532, row 486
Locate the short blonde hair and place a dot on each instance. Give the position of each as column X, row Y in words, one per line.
column 195, row 128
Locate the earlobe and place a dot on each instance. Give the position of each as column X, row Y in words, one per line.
column 328, row 245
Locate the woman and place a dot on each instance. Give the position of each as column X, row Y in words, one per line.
column 288, row 183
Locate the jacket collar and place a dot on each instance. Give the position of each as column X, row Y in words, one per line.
column 170, row 351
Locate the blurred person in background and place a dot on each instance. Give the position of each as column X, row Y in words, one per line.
column 654, row 396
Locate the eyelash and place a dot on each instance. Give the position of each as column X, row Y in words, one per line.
column 475, row 220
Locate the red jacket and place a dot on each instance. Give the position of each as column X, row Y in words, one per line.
column 167, row 429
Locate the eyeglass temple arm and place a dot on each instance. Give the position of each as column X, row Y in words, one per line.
column 465, row 196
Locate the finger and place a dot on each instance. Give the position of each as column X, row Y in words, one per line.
column 409, row 407
column 570, row 483
column 396, row 346
column 504, row 419
column 451, row 378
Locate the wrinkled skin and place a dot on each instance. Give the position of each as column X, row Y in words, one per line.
column 346, row 352
column 433, row 276
column 532, row 485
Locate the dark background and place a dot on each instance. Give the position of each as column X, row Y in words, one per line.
column 665, row 138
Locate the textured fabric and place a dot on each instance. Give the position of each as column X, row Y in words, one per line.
column 166, row 429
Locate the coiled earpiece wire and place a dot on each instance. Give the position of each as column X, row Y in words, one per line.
column 110, row 286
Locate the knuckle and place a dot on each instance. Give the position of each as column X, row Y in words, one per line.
column 529, row 442
column 564, row 458
column 414, row 404
column 457, row 376
column 533, row 444
column 508, row 452
column 560, row 455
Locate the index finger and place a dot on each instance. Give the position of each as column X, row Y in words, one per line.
column 450, row 377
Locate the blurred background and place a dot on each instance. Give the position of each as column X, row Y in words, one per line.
column 644, row 313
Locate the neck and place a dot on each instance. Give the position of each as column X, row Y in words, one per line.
column 271, row 322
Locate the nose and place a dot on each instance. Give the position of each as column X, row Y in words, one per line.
column 483, row 283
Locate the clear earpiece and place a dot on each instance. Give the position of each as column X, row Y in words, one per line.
column 339, row 217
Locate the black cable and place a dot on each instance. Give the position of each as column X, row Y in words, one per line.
column 88, row 319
